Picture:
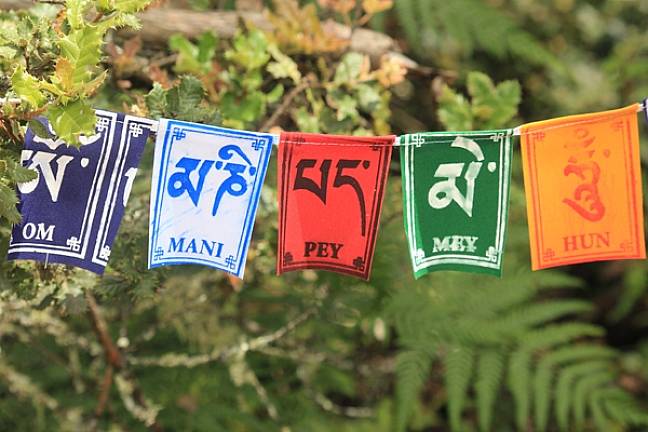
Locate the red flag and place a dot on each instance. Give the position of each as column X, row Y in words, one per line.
column 331, row 189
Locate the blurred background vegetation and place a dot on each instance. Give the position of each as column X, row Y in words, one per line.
column 189, row 348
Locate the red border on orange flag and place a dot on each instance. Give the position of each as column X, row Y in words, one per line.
column 331, row 190
column 583, row 188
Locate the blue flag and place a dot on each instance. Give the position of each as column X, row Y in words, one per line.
column 71, row 212
column 204, row 195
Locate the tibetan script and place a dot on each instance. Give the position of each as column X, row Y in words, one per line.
column 72, row 211
column 206, row 186
column 455, row 197
column 583, row 188
column 331, row 190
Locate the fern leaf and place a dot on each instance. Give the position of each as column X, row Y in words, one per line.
column 489, row 376
column 564, row 386
column 556, row 334
column 539, row 313
column 412, row 369
column 542, row 380
column 623, row 408
column 519, row 384
column 458, row 371
column 601, row 421
column 581, row 390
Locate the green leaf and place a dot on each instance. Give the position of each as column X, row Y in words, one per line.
column 368, row 97
column 72, row 120
column 7, row 52
column 21, row 174
column 283, row 66
column 27, row 87
column 185, row 97
column 412, row 370
column 519, row 384
column 306, row 121
column 458, row 372
column 82, row 49
column 489, row 375
column 275, row 94
column 8, row 201
column 348, row 71
column 156, row 101
column 206, row 47
column 250, row 50
column 454, row 111
column 74, row 12
column 130, row 6
column 39, row 129
column 564, row 388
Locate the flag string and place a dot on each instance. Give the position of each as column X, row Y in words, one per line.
column 517, row 131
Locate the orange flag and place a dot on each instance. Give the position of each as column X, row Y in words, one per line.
column 583, row 188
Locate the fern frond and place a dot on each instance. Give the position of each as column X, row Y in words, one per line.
column 519, row 384
column 601, row 421
column 557, row 334
column 489, row 376
column 581, row 390
column 412, row 369
column 540, row 313
column 564, row 386
column 458, row 371
column 542, row 380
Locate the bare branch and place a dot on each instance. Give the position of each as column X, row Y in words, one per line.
column 189, row 361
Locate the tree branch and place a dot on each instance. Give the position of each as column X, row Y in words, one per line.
column 180, row 359
column 129, row 390
column 160, row 23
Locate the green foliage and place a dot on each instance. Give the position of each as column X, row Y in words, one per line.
column 74, row 76
column 490, row 106
column 456, row 28
column 184, row 101
column 478, row 334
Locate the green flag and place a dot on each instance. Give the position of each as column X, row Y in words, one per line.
column 456, row 190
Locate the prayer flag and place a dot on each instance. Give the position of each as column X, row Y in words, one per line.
column 583, row 188
column 71, row 212
column 455, row 196
column 331, row 189
column 204, row 195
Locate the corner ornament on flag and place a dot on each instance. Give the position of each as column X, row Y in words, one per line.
column 583, row 188
column 331, row 189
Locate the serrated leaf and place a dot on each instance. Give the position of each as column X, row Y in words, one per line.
column 27, row 87
column 74, row 12
column 454, row 110
column 81, row 48
column 156, row 101
column 185, row 97
column 39, row 129
column 72, row 120
column 129, row 6
column 21, row 174
column 8, row 201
